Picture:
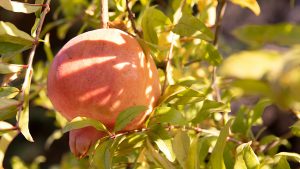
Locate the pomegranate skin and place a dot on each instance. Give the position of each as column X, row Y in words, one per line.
column 97, row 75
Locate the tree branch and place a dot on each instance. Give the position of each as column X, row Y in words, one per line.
column 29, row 71
column 219, row 14
column 131, row 18
column 104, row 14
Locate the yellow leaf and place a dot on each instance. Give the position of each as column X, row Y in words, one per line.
column 251, row 4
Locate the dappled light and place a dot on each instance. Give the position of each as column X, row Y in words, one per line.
column 92, row 78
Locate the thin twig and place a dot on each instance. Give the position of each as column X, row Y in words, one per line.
column 170, row 127
column 29, row 71
column 104, row 14
column 9, row 129
column 191, row 62
column 219, row 14
column 131, row 18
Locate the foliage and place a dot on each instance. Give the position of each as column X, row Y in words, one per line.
column 190, row 128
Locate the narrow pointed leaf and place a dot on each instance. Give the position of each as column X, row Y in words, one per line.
column 181, row 146
column 81, row 122
column 167, row 115
column 290, row 156
column 8, row 92
column 153, row 20
column 216, row 159
column 103, row 155
column 251, row 4
column 5, row 140
column 282, row 164
column 10, row 68
column 15, row 6
column 189, row 25
column 126, row 116
column 163, row 162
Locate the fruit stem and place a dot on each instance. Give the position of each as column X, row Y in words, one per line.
column 104, row 14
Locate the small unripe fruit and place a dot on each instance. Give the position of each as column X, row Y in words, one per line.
column 97, row 75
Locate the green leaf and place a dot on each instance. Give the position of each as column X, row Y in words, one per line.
column 6, row 139
column 188, row 25
column 12, row 39
column 216, row 159
column 7, row 104
column 8, row 92
column 163, row 162
column 23, row 121
column 259, row 35
column 181, row 146
column 127, row 115
column 212, row 55
column 282, row 164
column 47, row 48
column 103, row 155
column 181, row 95
column 205, row 143
column 10, row 68
column 15, row 6
column 209, row 107
column 296, row 129
column 258, row 110
column 246, row 158
column 81, row 122
column 240, row 124
column 167, row 115
column 250, row 64
column 250, row 87
column 192, row 161
column 56, row 135
column 153, row 21
column 130, row 143
column 10, row 33
column 290, row 156
column 8, row 108
column 251, row 4
column 34, row 27
column 163, row 145
column 63, row 29
column 8, row 48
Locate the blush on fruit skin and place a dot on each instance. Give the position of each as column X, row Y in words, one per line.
column 97, row 75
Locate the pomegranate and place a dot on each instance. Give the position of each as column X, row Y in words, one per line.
column 97, row 75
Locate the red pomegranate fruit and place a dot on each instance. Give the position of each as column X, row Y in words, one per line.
column 97, row 75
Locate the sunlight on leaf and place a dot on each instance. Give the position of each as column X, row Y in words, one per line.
column 103, row 155
column 10, row 68
column 6, row 139
column 81, row 122
column 8, row 92
column 167, row 115
column 127, row 115
column 15, row 6
column 246, row 158
column 290, row 156
column 181, row 146
column 251, row 4
column 216, row 159
column 153, row 20
column 189, row 25
column 162, row 161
